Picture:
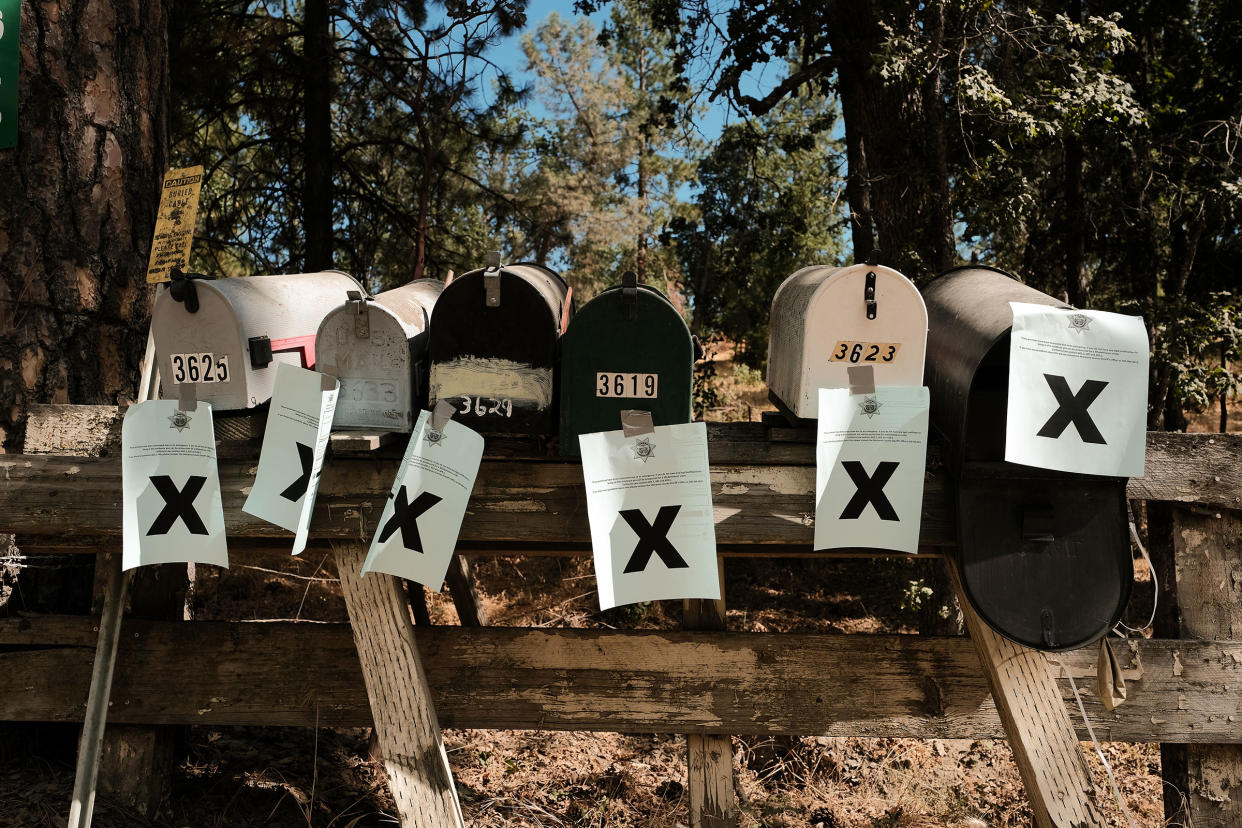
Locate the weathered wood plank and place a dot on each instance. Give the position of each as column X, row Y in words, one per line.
column 419, row 775
column 528, row 504
column 514, row 502
column 1208, row 553
column 297, row 674
column 1045, row 747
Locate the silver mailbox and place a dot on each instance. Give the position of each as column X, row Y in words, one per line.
column 226, row 335
column 828, row 319
column 377, row 348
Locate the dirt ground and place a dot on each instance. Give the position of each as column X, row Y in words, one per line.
column 237, row 777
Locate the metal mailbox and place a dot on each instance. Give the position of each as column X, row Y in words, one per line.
column 495, row 345
column 827, row 319
column 377, row 347
column 226, row 335
column 628, row 348
column 1044, row 556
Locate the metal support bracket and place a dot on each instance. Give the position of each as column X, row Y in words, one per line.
column 869, row 295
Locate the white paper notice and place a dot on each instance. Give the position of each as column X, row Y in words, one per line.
column 1077, row 391
column 870, row 455
column 170, row 486
column 418, row 530
column 649, row 500
column 299, row 424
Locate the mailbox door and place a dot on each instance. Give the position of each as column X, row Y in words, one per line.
column 285, row 309
column 1044, row 560
column 374, row 370
column 497, row 365
column 823, row 324
column 611, row 362
column 413, row 303
column 206, row 348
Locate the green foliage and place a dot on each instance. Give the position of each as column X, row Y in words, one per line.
column 605, row 157
column 408, row 131
column 770, row 202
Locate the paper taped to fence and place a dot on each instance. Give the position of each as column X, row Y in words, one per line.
column 170, row 487
column 1077, row 391
column 418, row 529
column 871, row 452
column 649, row 500
column 295, row 440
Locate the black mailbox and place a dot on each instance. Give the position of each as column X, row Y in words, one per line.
column 1044, row 556
column 494, row 347
column 628, row 348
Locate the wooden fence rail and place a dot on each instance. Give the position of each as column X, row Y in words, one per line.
column 750, row 684
column 698, row 682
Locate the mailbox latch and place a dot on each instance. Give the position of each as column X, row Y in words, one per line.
column 183, row 289
column 629, row 295
column 491, row 279
column 869, row 295
column 362, row 316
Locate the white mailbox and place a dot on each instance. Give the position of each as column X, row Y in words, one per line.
column 826, row 320
column 377, row 348
column 226, row 335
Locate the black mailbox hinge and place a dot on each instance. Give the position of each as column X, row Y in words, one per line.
column 869, row 295
column 629, row 295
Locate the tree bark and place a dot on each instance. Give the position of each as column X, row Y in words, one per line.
column 898, row 189
column 78, row 197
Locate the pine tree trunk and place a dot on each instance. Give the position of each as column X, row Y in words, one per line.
column 317, row 145
column 898, row 169
column 78, row 197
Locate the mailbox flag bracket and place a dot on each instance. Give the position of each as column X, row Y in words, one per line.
column 869, row 295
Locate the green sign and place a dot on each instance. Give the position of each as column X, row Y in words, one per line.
column 10, row 13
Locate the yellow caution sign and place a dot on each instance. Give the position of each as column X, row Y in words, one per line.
column 174, row 224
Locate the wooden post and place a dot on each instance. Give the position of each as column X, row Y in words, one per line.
column 465, row 597
column 1208, row 552
column 709, row 774
column 405, row 719
column 1044, row 744
column 82, row 806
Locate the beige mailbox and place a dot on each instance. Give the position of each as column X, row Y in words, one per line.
column 226, row 335
column 826, row 320
column 377, row 348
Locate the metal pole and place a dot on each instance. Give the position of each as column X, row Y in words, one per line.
column 82, row 806
column 83, row 803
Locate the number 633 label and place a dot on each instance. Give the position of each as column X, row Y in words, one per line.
column 864, row 352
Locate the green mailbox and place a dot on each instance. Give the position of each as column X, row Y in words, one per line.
column 628, row 348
